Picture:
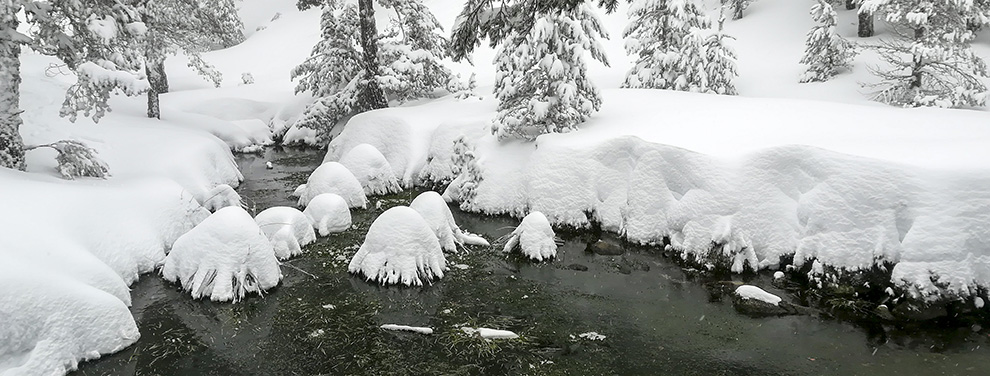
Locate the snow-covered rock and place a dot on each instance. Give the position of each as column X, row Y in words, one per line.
column 400, row 248
column 371, row 169
column 756, row 293
column 534, row 237
column 434, row 209
column 406, row 328
column 333, row 177
column 488, row 333
column 50, row 322
column 329, row 213
column 221, row 196
column 223, row 258
column 287, row 228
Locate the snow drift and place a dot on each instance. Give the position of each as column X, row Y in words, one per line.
column 328, row 213
column 333, row 177
column 437, row 215
column 287, row 228
column 223, row 258
column 400, row 248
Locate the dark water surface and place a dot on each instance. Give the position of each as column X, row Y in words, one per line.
column 657, row 318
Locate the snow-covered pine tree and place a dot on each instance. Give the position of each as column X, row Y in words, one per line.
column 719, row 65
column 738, row 6
column 931, row 64
column 189, row 26
column 825, row 51
column 408, row 63
column 541, row 75
column 668, row 52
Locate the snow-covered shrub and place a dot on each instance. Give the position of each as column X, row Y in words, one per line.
column 75, row 159
column 329, row 213
column 467, row 175
column 247, row 78
column 400, row 248
column 287, row 228
column 333, row 177
column 220, row 197
column 533, row 237
column 223, row 258
column 825, row 51
column 436, row 213
column 541, row 77
column 371, row 169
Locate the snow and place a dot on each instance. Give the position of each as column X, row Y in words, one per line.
column 333, row 177
column 371, row 169
column 756, row 293
column 287, row 228
column 592, row 336
column 328, row 213
column 414, row 329
column 223, row 258
column 778, row 274
column 400, row 248
column 978, row 302
column 488, row 333
column 221, row 196
column 534, row 237
column 434, row 210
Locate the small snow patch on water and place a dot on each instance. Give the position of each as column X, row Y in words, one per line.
column 406, row 328
column 329, row 306
column 592, row 336
column 978, row 302
column 462, row 266
column 778, row 275
column 487, row 333
column 317, row 333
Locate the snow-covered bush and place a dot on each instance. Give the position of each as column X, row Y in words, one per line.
column 329, row 213
column 247, row 78
column 371, row 169
column 400, row 248
column 75, row 159
column 287, row 228
column 533, row 237
column 437, row 215
column 825, row 51
column 220, row 197
column 223, row 258
column 333, row 177
column 541, row 76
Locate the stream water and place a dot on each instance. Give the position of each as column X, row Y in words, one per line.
column 656, row 317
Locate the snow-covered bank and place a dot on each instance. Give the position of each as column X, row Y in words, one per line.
column 737, row 181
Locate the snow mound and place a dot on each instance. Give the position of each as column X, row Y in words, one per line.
column 50, row 322
column 221, row 196
column 400, row 248
column 333, row 177
column 406, row 328
column 371, row 169
column 390, row 135
column 437, row 214
column 223, row 258
column 534, row 237
column 488, row 333
column 756, row 293
column 287, row 228
column 328, row 213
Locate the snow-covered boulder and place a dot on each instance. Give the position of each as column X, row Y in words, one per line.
column 333, row 177
column 437, row 214
column 223, row 258
column 400, row 248
column 48, row 322
column 534, row 237
column 287, row 228
column 371, row 169
column 754, row 301
column 328, row 213
column 219, row 197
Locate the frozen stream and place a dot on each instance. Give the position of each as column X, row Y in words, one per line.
column 657, row 318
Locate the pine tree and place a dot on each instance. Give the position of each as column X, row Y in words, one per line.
column 407, row 63
column 667, row 36
column 189, row 26
column 825, row 51
column 541, row 76
column 931, row 64
column 719, row 65
column 738, row 6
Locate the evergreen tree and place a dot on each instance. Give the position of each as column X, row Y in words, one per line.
column 931, row 64
column 189, row 26
column 541, row 76
column 825, row 51
column 738, row 6
column 719, row 64
column 668, row 36
column 406, row 65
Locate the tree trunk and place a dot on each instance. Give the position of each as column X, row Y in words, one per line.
column 11, row 144
column 918, row 60
column 865, row 24
column 850, row 4
column 371, row 96
column 154, row 68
